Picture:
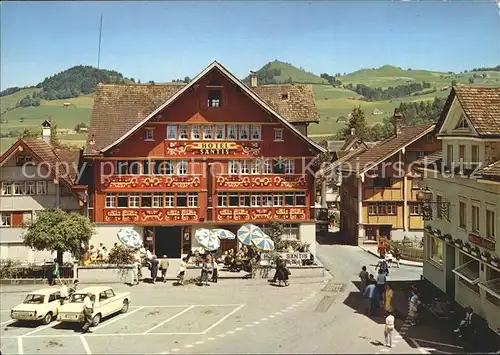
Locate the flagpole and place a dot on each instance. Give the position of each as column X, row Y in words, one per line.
column 99, row 50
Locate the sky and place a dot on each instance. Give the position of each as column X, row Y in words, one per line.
column 165, row 40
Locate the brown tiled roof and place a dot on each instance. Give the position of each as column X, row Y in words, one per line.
column 349, row 142
column 297, row 108
column 334, row 146
column 343, row 157
column 430, row 159
column 58, row 159
column 491, row 172
column 118, row 108
column 386, row 148
column 481, row 104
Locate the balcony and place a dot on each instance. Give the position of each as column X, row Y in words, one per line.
column 261, row 214
column 153, row 215
column 271, row 182
column 152, row 182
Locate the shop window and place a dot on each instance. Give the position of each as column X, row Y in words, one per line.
column 7, row 188
column 300, row 199
column 214, row 98
column 436, row 250
column 110, row 200
column 492, row 286
column 278, row 134
column 233, row 199
column 279, row 199
column 6, row 219
column 171, row 132
column 122, row 200
column 146, row 200
column 169, row 199
column 133, row 200
column 267, row 200
column 183, row 131
column 232, row 131
column 468, row 273
column 149, row 134
column 196, row 132
column 208, row 133
column 245, row 200
column 182, row 199
column 29, row 188
column 41, row 187
column 256, row 132
column 256, row 200
column 193, row 200
column 220, row 132
column 222, row 199
column 157, row 199
column 244, row 132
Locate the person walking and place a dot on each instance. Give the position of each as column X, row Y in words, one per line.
column 381, row 281
column 56, row 273
column 154, row 268
column 389, row 292
column 389, row 329
column 363, row 277
column 397, row 256
column 73, row 287
column 88, row 309
column 215, row 270
column 370, row 295
column 182, row 271
column 205, row 269
column 164, row 264
column 64, row 293
column 413, row 304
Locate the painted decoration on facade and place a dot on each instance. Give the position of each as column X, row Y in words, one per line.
column 151, row 215
column 482, row 242
column 152, row 182
column 261, row 214
column 188, row 148
column 284, row 181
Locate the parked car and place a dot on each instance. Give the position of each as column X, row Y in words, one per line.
column 41, row 305
column 106, row 303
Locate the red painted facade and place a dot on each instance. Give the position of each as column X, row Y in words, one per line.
column 206, row 180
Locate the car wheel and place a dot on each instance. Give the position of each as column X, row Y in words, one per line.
column 48, row 318
column 96, row 320
column 124, row 307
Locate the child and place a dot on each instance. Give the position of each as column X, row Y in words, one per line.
column 182, row 271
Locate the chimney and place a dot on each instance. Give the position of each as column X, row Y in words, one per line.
column 253, row 79
column 397, row 122
column 46, row 131
column 353, row 131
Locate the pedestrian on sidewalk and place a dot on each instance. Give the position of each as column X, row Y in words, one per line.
column 397, row 256
column 88, row 309
column 182, row 271
column 389, row 329
column 164, row 264
column 389, row 292
column 363, row 276
column 370, row 296
column 215, row 270
column 413, row 304
column 381, row 281
column 154, row 268
column 381, row 248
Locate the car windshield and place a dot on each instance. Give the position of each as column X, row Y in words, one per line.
column 78, row 297
column 34, row 299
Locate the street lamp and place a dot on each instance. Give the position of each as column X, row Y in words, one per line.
column 424, row 197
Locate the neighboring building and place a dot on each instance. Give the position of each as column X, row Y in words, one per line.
column 377, row 194
column 33, row 178
column 465, row 202
column 168, row 159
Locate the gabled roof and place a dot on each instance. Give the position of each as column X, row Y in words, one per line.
column 56, row 159
column 386, row 149
column 119, row 110
column 490, row 172
column 334, row 146
column 481, row 105
column 349, row 154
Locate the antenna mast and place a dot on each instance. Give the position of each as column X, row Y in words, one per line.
column 99, row 51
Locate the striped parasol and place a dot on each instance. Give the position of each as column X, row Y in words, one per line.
column 222, row 234
column 207, row 240
column 247, row 232
column 265, row 243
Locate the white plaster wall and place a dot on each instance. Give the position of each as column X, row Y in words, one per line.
column 107, row 234
column 307, row 234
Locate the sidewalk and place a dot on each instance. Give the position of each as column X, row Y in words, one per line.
column 372, row 249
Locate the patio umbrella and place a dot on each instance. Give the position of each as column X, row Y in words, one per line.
column 223, row 234
column 207, row 240
column 247, row 232
column 264, row 243
column 129, row 237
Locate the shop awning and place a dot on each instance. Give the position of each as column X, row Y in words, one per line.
column 469, row 271
column 492, row 287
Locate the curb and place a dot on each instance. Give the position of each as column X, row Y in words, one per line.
column 401, row 262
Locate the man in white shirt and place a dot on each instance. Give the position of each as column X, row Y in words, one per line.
column 389, row 329
column 88, row 309
column 64, row 292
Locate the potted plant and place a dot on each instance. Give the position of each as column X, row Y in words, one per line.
column 428, row 228
column 466, row 247
column 475, row 251
column 495, row 260
column 485, row 255
column 437, row 233
column 448, row 238
column 458, row 242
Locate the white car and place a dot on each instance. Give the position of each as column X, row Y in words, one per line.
column 106, row 303
column 41, row 305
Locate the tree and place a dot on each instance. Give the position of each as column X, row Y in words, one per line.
column 187, row 79
column 54, row 140
column 471, row 80
column 276, row 230
column 59, row 231
column 358, row 122
column 453, row 82
column 28, row 133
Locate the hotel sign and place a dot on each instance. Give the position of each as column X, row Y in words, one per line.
column 482, row 242
column 214, row 148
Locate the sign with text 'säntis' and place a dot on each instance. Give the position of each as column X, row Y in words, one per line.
column 214, row 148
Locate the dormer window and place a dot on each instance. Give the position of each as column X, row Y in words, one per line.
column 284, row 96
column 214, row 98
column 21, row 159
column 148, row 134
column 462, row 124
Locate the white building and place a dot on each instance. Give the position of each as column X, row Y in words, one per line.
column 33, row 177
column 462, row 242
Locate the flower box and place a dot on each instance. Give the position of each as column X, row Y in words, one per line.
column 484, row 258
column 466, row 249
column 494, row 263
column 475, row 253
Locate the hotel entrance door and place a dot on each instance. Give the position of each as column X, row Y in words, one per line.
column 168, row 241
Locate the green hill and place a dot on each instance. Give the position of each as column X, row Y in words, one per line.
column 277, row 72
